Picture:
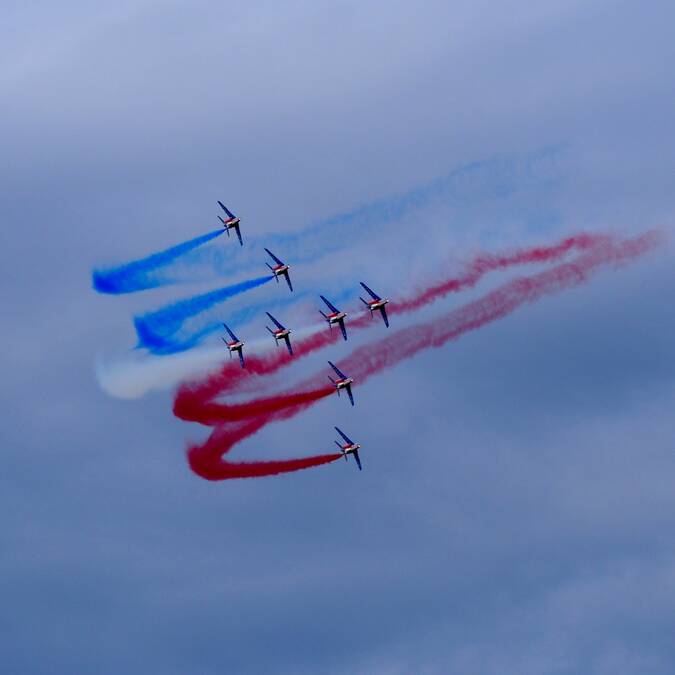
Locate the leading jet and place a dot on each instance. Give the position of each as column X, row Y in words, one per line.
column 377, row 303
column 280, row 269
column 336, row 316
column 232, row 222
column 343, row 382
column 350, row 448
column 235, row 345
column 280, row 333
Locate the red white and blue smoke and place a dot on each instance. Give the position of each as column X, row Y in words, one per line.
column 209, row 400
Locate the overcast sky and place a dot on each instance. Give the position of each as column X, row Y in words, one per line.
column 517, row 505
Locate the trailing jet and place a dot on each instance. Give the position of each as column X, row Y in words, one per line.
column 236, row 345
column 280, row 333
column 350, row 448
column 336, row 316
column 377, row 303
column 232, row 222
column 343, row 382
column 279, row 269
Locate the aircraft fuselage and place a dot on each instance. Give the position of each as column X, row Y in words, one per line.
column 280, row 269
column 350, row 449
column 335, row 317
column 281, row 333
column 341, row 384
column 235, row 346
column 377, row 304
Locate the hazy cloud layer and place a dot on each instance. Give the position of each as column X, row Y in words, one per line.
column 516, row 506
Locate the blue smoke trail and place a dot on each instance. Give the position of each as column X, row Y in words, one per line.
column 160, row 331
column 142, row 274
column 496, row 178
column 194, row 331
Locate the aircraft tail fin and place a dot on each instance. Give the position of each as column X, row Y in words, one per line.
column 370, row 309
column 342, row 450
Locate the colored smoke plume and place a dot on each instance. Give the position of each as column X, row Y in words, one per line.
column 158, row 331
column 230, row 376
column 472, row 183
column 142, row 274
column 207, row 459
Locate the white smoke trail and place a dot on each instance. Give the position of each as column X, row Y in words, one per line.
column 138, row 373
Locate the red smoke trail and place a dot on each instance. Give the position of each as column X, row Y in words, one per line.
column 210, row 413
column 371, row 359
column 231, row 375
column 483, row 264
column 207, row 460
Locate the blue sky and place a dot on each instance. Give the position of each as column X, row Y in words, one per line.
column 516, row 505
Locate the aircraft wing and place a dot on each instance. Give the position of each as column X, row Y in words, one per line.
column 281, row 327
column 329, row 304
column 370, row 292
column 384, row 316
column 229, row 213
column 342, row 328
column 340, row 374
column 287, row 339
column 288, row 279
column 236, row 227
column 358, row 459
column 279, row 262
column 232, row 335
column 349, row 393
column 347, row 439
column 241, row 357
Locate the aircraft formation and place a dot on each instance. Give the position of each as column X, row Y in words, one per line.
column 334, row 317
column 181, row 325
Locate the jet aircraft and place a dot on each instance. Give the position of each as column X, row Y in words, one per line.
column 280, row 269
column 336, row 316
column 377, row 303
column 280, row 333
column 236, row 345
column 343, row 382
column 350, row 448
column 232, row 222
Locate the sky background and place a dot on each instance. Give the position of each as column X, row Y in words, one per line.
column 516, row 510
